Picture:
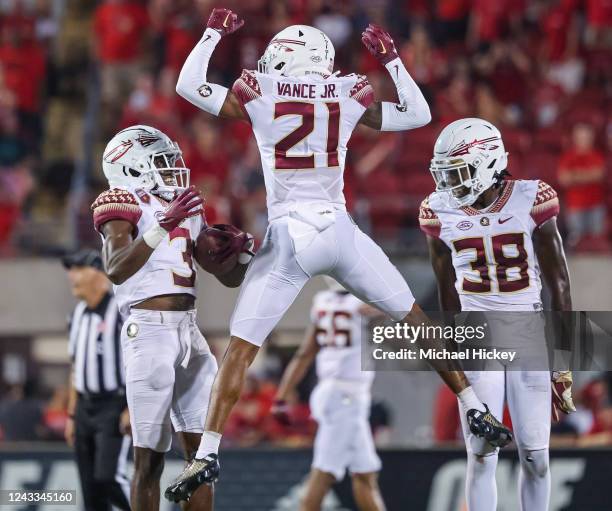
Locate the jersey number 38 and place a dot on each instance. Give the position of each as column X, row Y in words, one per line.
column 501, row 262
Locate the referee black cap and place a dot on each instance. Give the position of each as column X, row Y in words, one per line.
column 85, row 257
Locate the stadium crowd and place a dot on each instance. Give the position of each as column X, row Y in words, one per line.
column 541, row 70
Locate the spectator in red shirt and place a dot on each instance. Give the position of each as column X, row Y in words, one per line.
column 120, row 29
column 23, row 62
column 581, row 175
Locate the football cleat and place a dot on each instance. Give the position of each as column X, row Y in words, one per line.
column 562, row 400
column 198, row 472
column 485, row 425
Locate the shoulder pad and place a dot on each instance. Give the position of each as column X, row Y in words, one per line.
column 428, row 220
column 115, row 204
column 362, row 91
column 545, row 204
column 247, row 87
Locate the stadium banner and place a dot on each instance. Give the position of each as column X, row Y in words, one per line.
column 533, row 340
column 273, row 479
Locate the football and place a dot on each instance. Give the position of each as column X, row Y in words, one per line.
column 218, row 247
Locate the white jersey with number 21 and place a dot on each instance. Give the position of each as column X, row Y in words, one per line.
column 302, row 126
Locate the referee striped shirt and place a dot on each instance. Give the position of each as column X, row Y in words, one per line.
column 95, row 348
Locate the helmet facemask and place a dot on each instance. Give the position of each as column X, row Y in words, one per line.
column 457, row 181
column 167, row 173
column 275, row 60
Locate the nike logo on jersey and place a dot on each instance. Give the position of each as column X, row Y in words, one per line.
column 503, row 220
column 396, row 70
column 205, row 39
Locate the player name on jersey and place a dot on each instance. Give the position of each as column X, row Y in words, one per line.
column 307, row 90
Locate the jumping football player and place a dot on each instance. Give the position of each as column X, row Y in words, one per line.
column 340, row 403
column 491, row 242
column 149, row 219
column 302, row 114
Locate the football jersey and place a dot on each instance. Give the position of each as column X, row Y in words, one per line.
column 302, row 126
column 339, row 327
column 492, row 249
column 169, row 270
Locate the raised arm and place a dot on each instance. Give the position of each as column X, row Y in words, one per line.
column 192, row 82
column 412, row 110
column 123, row 254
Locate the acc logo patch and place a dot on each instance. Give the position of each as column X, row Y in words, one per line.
column 132, row 330
column 204, row 90
column 484, row 221
column 316, row 58
column 464, row 225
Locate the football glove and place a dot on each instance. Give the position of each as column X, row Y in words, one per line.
column 233, row 241
column 379, row 44
column 562, row 394
column 187, row 204
column 224, row 21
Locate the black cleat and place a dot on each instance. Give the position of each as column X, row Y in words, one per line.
column 198, row 472
column 485, row 425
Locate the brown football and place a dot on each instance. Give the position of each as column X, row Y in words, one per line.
column 214, row 240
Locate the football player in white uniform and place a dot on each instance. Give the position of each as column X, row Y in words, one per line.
column 491, row 240
column 302, row 114
column 149, row 219
column 340, row 403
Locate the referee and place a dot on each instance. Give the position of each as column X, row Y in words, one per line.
column 98, row 424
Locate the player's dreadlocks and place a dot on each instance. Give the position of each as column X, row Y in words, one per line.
column 500, row 177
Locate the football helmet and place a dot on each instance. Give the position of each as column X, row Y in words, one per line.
column 144, row 157
column 298, row 50
column 468, row 159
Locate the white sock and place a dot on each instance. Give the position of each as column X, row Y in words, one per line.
column 480, row 486
column 469, row 399
column 209, row 444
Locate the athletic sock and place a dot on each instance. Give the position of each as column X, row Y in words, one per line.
column 209, row 444
column 469, row 400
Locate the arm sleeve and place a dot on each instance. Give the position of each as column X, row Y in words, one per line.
column 546, row 204
column 116, row 204
column 192, row 83
column 413, row 110
column 429, row 222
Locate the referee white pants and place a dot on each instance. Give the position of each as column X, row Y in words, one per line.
column 169, row 375
column 297, row 248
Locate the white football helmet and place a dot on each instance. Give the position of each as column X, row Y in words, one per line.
column 144, row 157
column 468, row 159
column 298, row 50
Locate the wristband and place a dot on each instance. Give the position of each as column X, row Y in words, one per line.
column 154, row 236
